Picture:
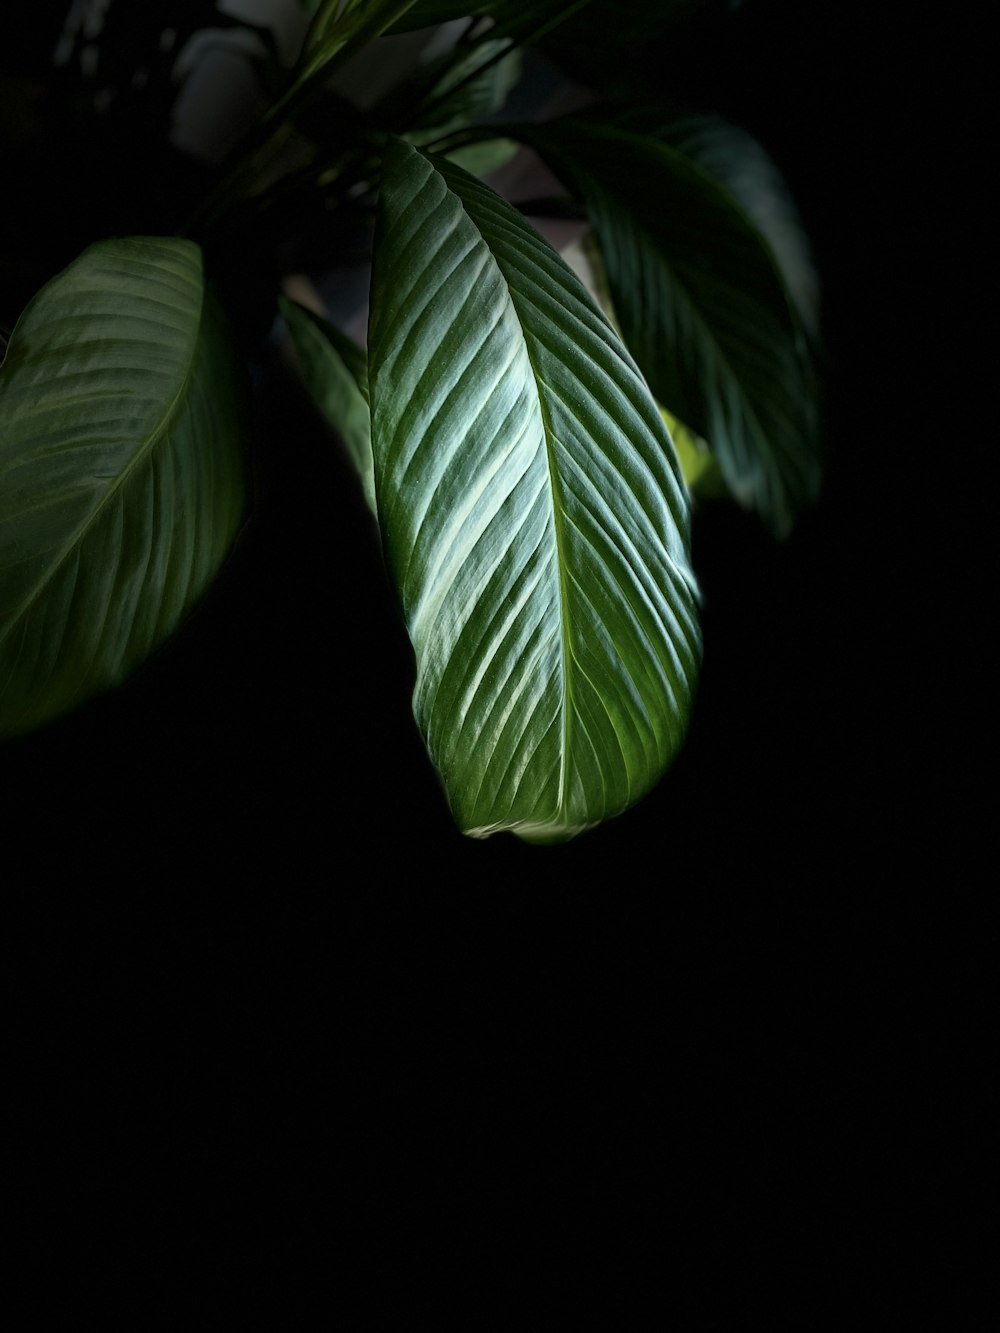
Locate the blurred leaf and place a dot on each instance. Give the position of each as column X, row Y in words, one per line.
column 431, row 13
column 702, row 307
column 622, row 48
column 335, row 372
column 520, row 20
column 741, row 165
column 122, row 475
column 340, row 27
column 482, row 158
column 700, row 470
column 469, row 84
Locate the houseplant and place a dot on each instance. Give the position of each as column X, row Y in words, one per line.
column 510, row 436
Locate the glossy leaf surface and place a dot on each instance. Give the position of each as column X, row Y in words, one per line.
column 122, row 478
column 533, row 516
column 701, row 305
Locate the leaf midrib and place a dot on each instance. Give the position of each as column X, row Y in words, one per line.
column 557, row 520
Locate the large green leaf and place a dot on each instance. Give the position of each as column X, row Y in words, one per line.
column 335, row 372
column 533, row 515
column 702, row 306
column 122, row 477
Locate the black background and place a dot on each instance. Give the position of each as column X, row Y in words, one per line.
column 271, row 1021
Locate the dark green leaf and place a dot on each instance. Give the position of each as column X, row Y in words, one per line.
column 483, row 157
column 467, row 85
column 431, row 13
column 740, row 164
column 520, row 19
column 340, row 28
column 335, row 372
column 533, row 516
column 122, row 477
column 702, row 306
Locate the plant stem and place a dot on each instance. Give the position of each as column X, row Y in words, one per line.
column 257, row 151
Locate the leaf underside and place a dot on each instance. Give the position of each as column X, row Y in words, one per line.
column 533, row 516
column 122, row 476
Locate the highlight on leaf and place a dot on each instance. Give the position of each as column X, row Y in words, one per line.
column 534, row 520
column 533, row 432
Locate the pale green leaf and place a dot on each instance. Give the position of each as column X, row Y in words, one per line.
column 122, row 471
column 702, row 306
column 335, row 372
column 699, row 468
column 483, row 157
column 533, row 517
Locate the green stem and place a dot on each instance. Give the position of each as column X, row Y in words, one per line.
column 259, row 147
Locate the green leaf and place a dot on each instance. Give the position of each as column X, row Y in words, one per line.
column 596, row 47
column 335, row 372
column 484, row 157
column 431, row 13
column 699, row 468
column 752, row 178
column 533, row 517
column 702, row 306
column 338, row 29
column 467, row 84
column 122, row 476
column 520, row 19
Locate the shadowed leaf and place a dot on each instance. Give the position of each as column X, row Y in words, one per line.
column 335, row 372
column 702, row 306
column 122, row 478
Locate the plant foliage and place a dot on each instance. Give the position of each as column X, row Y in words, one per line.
column 527, row 440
